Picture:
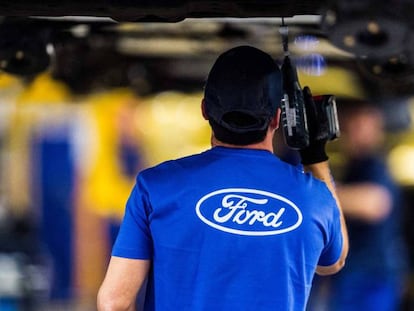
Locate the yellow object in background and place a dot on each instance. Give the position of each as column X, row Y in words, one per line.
column 171, row 126
column 106, row 186
column 7, row 81
column 334, row 80
column 38, row 103
column 165, row 126
column 43, row 89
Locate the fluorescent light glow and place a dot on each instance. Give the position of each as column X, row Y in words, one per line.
column 402, row 164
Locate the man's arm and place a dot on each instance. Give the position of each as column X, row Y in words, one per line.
column 321, row 171
column 368, row 202
column 123, row 280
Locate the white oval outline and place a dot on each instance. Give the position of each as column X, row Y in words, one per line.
column 243, row 232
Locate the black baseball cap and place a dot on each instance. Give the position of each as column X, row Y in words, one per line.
column 241, row 95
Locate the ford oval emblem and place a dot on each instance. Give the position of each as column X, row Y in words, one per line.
column 248, row 212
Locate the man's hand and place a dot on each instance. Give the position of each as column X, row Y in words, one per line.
column 315, row 151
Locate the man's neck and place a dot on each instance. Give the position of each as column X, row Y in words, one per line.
column 266, row 144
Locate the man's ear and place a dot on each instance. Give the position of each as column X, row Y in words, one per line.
column 203, row 109
column 275, row 122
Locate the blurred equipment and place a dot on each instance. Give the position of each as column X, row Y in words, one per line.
column 378, row 33
column 294, row 122
column 157, row 10
column 298, row 103
column 388, row 76
column 24, row 277
column 23, row 49
column 295, row 127
column 368, row 28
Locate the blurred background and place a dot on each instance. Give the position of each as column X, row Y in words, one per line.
column 91, row 95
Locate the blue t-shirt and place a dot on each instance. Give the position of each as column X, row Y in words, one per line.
column 229, row 229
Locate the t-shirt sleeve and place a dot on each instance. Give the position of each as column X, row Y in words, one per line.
column 134, row 238
column 333, row 247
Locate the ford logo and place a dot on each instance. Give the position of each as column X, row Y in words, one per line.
column 248, row 212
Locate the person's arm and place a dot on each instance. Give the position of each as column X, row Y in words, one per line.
column 123, row 280
column 322, row 172
column 368, row 202
column 315, row 161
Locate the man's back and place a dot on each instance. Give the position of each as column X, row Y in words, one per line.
column 230, row 229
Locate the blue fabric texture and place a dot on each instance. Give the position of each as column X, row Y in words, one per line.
column 229, row 229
